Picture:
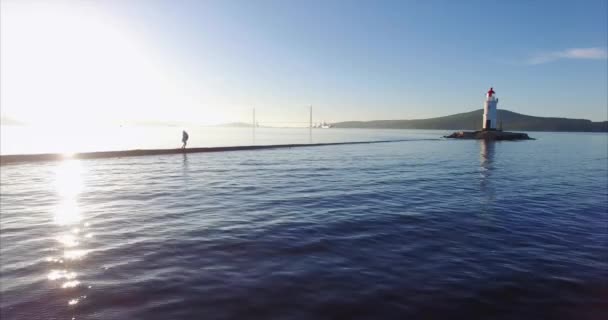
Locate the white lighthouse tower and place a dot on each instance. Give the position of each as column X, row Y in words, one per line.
column 489, row 111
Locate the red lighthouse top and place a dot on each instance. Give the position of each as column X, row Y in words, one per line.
column 491, row 92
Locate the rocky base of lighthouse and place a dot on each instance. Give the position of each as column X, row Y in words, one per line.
column 489, row 135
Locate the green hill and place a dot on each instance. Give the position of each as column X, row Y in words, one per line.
column 472, row 121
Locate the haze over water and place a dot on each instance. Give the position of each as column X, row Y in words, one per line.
column 421, row 229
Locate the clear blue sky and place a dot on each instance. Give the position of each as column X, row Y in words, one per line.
column 364, row 60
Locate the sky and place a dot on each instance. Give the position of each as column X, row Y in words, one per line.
column 208, row 62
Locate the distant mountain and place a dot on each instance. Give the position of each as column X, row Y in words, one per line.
column 472, row 121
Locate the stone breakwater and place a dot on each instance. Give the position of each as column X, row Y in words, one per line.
column 19, row 158
column 489, row 135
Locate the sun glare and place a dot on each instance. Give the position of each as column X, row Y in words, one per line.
column 86, row 67
column 68, row 185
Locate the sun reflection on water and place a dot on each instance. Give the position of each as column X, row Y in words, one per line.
column 74, row 254
column 67, row 215
column 68, row 240
column 70, row 284
column 68, row 185
column 61, row 274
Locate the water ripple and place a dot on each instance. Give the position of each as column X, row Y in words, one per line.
column 419, row 230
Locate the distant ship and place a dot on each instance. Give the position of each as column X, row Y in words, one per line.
column 323, row 125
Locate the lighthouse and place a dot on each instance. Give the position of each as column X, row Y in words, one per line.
column 489, row 130
column 489, row 111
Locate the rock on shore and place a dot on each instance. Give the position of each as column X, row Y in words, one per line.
column 489, row 135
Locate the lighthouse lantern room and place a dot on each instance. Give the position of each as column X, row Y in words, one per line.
column 489, row 111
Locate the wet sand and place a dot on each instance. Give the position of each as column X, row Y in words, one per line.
column 21, row 158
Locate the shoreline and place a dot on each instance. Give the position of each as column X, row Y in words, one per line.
column 25, row 158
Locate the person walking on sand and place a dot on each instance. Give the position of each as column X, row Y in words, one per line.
column 184, row 138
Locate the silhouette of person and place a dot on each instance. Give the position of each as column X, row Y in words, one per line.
column 184, row 138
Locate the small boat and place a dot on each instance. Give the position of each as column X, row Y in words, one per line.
column 325, row 125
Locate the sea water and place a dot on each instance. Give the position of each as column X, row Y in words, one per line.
column 419, row 229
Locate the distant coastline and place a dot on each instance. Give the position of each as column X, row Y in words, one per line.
column 472, row 121
column 234, row 125
column 461, row 121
